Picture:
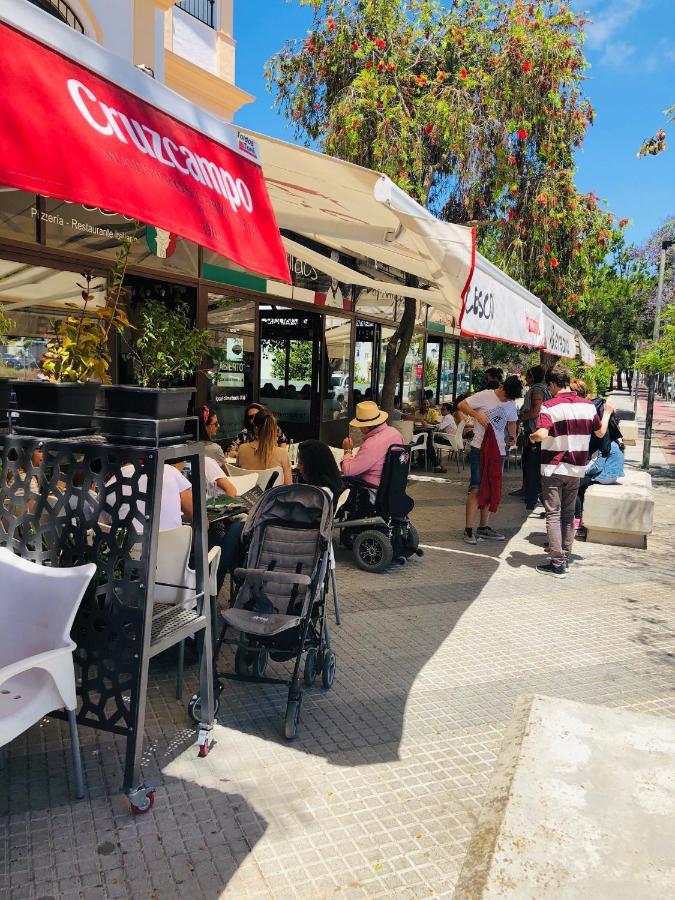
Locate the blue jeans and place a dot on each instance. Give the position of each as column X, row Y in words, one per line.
column 474, row 462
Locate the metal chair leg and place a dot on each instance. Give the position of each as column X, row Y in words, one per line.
column 77, row 759
column 181, row 670
column 336, row 602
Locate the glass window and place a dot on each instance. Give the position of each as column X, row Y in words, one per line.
column 464, row 368
column 364, row 353
column 337, row 340
column 88, row 229
column 18, row 214
column 431, row 365
column 412, row 372
column 35, row 297
column 385, row 336
column 231, row 324
column 447, row 370
column 287, row 360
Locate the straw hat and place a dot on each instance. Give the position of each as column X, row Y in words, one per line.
column 368, row 415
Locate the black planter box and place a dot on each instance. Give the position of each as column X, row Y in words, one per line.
column 145, row 416
column 46, row 409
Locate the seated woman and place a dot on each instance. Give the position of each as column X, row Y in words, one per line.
column 600, row 470
column 317, row 466
column 247, row 432
column 264, row 452
column 208, row 428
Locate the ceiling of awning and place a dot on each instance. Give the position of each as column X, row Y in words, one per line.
column 362, row 213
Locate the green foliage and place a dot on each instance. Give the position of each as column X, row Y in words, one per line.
column 168, row 349
column 597, row 378
column 659, row 357
column 474, row 107
column 6, row 324
column 79, row 350
column 299, row 361
column 430, row 373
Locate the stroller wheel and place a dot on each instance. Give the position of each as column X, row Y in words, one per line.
column 310, row 667
column 373, row 551
column 292, row 718
column 328, row 669
column 259, row 661
column 241, row 661
column 195, row 706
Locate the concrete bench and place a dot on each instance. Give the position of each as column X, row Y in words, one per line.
column 629, row 430
column 620, row 514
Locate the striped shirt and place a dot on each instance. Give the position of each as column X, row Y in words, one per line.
column 570, row 421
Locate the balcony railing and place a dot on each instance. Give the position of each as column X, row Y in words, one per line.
column 204, row 10
column 60, row 10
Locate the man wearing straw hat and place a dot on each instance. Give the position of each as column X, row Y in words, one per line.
column 378, row 437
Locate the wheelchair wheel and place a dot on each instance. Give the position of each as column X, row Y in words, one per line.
column 413, row 540
column 372, row 551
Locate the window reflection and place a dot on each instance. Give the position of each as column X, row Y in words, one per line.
column 412, row 372
column 337, row 339
column 447, row 370
column 231, row 324
column 464, row 369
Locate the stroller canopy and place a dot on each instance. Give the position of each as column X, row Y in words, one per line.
column 293, row 505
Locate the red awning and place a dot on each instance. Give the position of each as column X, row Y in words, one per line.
column 69, row 133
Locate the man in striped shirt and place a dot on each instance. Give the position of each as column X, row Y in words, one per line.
column 564, row 428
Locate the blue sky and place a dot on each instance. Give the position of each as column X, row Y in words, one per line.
column 631, row 46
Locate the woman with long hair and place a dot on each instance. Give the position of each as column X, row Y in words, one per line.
column 208, row 429
column 264, row 452
column 317, row 466
column 247, row 433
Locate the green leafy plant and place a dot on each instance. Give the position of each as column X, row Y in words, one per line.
column 79, row 350
column 6, row 325
column 168, row 348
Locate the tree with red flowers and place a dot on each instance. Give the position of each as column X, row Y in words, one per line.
column 475, row 108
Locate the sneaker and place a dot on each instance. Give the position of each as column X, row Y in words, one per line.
column 550, row 569
column 489, row 534
column 470, row 538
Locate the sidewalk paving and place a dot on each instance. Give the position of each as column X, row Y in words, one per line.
column 379, row 794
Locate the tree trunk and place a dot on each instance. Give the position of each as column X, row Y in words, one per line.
column 619, row 380
column 397, row 349
column 629, row 379
column 547, row 360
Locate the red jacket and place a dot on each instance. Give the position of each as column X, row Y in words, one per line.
column 490, row 490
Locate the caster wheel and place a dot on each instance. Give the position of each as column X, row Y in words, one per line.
column 328, row 670
column 311, row 667
column 241, row 661
column 259, row 663
column 195, row 706
column 292, row 718
column 141, row 809
column 373, row 551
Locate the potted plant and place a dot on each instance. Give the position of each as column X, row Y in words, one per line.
column 76, row 362
column 6, row 324
column 165, row 354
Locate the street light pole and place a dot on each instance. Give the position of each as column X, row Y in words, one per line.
column 651, row 390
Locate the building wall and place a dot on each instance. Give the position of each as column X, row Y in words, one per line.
column 194, row 59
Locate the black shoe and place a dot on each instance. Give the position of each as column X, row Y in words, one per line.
column 550, row 569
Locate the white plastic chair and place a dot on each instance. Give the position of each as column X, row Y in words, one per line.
column 419, row 445
column 407, row 429
column 37, row 674
column 338, row 453
column 454, row 445
column 176, row 582
column 244, row 483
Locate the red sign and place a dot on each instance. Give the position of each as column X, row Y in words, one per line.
column 70, row 134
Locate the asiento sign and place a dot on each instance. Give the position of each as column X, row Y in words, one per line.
column 69, row 133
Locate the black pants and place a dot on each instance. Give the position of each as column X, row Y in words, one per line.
column 584, row 484
column 531, row 473
column 228, row 538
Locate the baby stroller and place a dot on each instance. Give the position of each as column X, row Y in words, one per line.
column 378, row 531
column 279, row 602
